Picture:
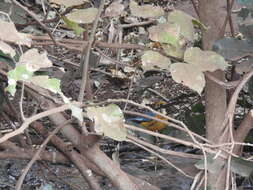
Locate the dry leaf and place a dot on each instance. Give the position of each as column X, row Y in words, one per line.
column 109, row 121
column 83, row 16
column 115, row 9
column 9, row 33
column 184, row 21
column 68, row 3
column 145, row 11
column 188, row 75
column 34, row 60
column 205, row 60
column 152, row 60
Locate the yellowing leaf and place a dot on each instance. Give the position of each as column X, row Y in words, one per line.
column 145, row 11
column 74, row 26
column 152, row 60
column 184, row 21
column 34, row 60
column 189, row 75
column 6, row 49
column 83, row 16
column 108, row 121
column 9, row 33
column 205, row 60
column 165, row 33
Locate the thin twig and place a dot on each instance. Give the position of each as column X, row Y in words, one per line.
column 21, row 102
column 100, row 44
column 223, row 28
column 229, row 11
column 231, row 107
column 107, row 57
column 86, row 54
column 37, row 154
column 196, row 179
column 29, row 120
column 165, row 151
column 194, row 4
column 34, row 16
column 130, row 89
column 179, row 141
column 228, row 122
column 124, row 26
column 158, row 94
column 159, row 156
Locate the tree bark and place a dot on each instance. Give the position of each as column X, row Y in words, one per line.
column 215, row 95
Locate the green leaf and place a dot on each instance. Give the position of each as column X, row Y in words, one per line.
column 73, row 25
column 168, row 33
column 20, row 73
column 44, row 81
column 199, row 24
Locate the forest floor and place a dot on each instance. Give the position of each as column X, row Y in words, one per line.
column 152, row 88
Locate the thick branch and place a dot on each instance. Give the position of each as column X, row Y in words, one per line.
column 54, row 157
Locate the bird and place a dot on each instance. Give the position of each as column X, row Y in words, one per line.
column 147, row 123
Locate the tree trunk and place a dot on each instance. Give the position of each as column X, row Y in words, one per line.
column 215, row 95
